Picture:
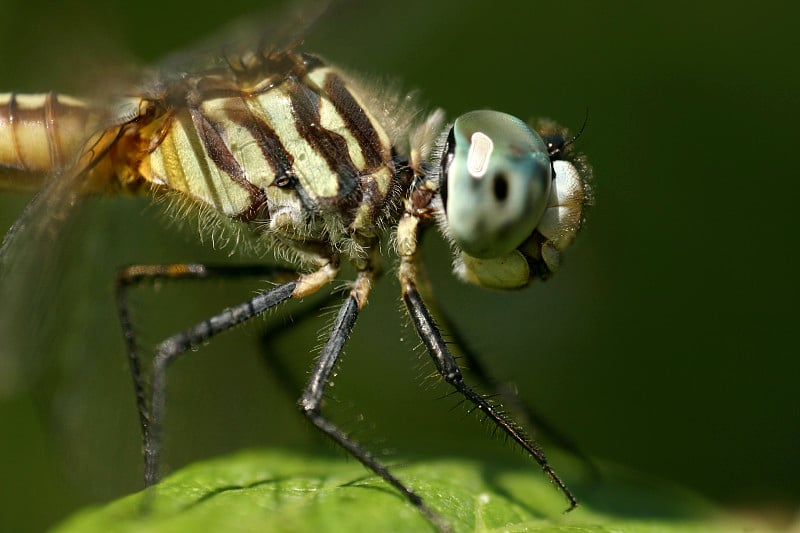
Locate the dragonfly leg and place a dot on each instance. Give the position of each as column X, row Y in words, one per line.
column 407, row 237
column 133, row 275
column 170, row 349
column 274, row 362
column 311, row 401
column 508, row 392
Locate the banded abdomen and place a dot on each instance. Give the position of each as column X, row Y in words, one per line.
column 40, row 134
column 50, row 135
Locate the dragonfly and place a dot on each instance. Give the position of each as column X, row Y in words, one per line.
column 273, row 147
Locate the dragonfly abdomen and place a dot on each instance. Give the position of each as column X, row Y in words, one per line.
column 40, row 134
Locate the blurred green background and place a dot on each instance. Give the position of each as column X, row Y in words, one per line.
column 664, row 344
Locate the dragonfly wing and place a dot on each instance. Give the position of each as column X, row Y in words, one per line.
column 271, row 31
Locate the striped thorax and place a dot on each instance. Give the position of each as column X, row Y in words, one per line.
column 297, row 142
column 283, row 144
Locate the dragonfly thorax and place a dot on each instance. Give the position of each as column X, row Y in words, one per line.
column 297, row 155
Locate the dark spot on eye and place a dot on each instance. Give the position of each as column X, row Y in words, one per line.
column 500, row 187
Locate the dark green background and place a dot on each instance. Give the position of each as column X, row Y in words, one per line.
column 663, row 344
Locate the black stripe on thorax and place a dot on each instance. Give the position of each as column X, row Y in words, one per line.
column 330, row 145
column 356, row 120
column 279, row 159
column 211, row 135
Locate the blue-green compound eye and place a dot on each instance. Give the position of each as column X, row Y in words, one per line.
column 496, row 180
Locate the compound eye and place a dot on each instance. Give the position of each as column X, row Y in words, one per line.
column 496, row 179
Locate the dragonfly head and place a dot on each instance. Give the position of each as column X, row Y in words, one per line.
column 511, row 201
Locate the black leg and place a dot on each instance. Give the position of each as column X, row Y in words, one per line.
column 509, row 395
column 289, row 383
column 134, row 275
column 311, row 401
column 169, row 350
column 448, row 368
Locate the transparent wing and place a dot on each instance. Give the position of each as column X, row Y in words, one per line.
column 262, row 33
column 28, row 257
column 37, row 246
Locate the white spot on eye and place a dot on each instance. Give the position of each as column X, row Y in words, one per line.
column 480, row 151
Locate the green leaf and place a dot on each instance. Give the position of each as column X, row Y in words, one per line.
column 282, row 491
